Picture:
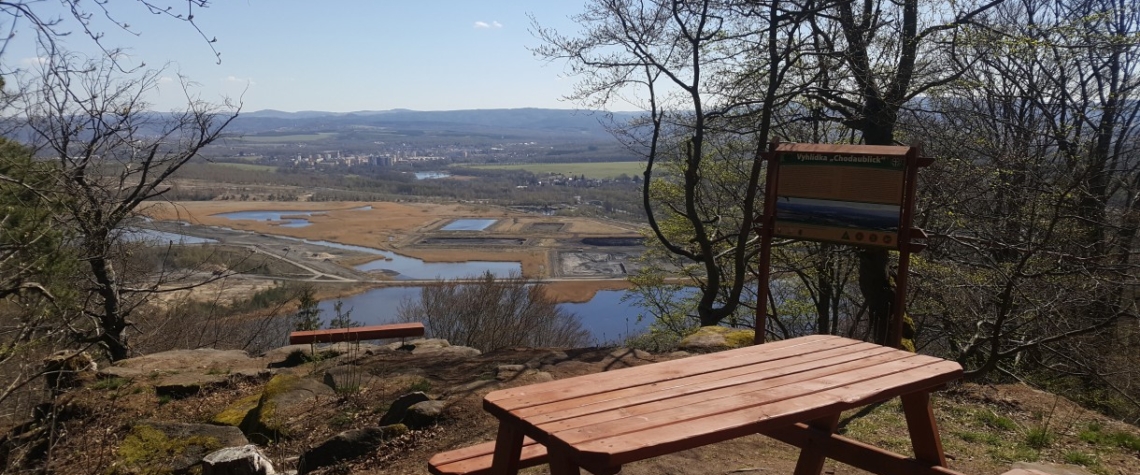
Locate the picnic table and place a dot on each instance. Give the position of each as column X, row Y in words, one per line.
column 793, row 390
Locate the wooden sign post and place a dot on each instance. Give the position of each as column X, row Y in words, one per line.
column 858, row 195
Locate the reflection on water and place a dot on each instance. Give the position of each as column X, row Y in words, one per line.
column 608, row 319
column 162, row 237
column 411, row 268
column 272, row 216
column 431, row 175
column 468, row 225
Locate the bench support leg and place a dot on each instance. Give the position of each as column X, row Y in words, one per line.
column 923, row 429
column 812, row 455
column 508, row 450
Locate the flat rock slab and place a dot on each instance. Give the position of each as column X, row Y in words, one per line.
column 181, row 373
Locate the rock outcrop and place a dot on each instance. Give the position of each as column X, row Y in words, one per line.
column 710, row 339
column 173, row 447
column 181, row 373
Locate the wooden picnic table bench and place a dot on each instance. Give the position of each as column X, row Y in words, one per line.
column 793, row 390
column 374, row 332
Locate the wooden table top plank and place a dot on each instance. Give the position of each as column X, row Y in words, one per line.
column 599, row 449
column 703, row 381
column 705, row 405
column 514, row 398
column 727, row 387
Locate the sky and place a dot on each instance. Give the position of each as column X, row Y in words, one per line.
column 341, row 56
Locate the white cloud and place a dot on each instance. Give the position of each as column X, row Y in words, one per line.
column 235, row 79
column 33, row 61
column 483, row 24
column 165, row 80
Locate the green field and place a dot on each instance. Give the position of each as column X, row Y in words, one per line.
column 289, row 138
column 589, row 170
column 248, row 166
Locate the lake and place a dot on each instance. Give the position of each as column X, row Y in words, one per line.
column 608, row 319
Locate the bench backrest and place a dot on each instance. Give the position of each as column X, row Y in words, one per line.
column 375, row 332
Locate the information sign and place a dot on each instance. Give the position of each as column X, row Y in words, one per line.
column 844, row 198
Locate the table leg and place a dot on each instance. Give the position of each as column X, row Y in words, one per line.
column 812, row 457
column 508, row 450
column 923, row 429
column 561, row 463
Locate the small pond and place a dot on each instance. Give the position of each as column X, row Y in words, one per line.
column 431, row 175
column 468, row 225
column 162, row 237
column 272, row 216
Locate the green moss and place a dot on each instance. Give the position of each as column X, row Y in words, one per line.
column 261, row 424
column 236, row 412
column 147, row 450
column 739, row 338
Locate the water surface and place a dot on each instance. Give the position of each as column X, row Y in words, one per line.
column 468, row 225
column 272, row 216
column 161, row 237
column 608, row 319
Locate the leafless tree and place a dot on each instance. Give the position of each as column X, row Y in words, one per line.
column 711, row 76
column 111, row 154
column 494, row 313
column 1036, row 249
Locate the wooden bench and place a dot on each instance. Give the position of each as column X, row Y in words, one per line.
column 476, row 459
column 374, row 332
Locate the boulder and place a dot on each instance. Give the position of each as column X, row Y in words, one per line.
column 244, row 460
column 173, row 447
column 552, row 358
column 626, row 357
column 509, row 371
column 284, row 397
column 419, row 343
column 433, row 347
column 399, row 407
column 424, row 414
column 447, row 352
column 348, row 445
column 715, row 338
column 293, row 355
column 237, row 411
column 64, row 370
